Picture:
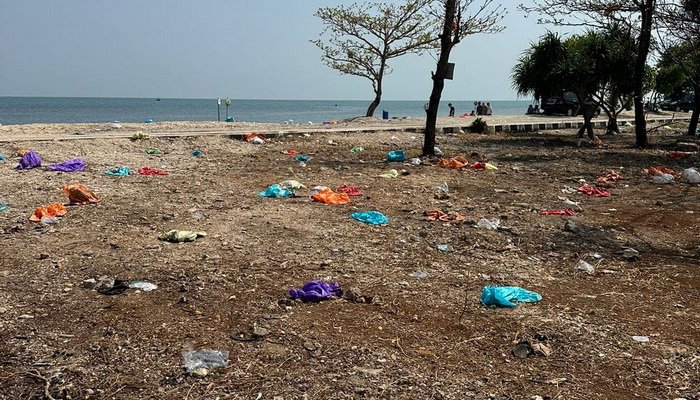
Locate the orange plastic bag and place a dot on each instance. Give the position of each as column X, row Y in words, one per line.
column 609, row 177
column 660, row 170
column 52, row 210
column 330, row 197
column 437, row 215
column 78, row 194
column 454, row 162
column 249, row 137
column 22, row 152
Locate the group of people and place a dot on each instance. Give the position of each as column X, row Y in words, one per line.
column 479, row 109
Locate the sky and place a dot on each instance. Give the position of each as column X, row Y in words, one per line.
column 242, row 49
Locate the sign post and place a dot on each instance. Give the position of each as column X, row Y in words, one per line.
column 218, row 109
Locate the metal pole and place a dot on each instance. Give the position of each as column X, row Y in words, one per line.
column 218, row 109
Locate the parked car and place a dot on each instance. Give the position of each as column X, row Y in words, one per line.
column 566, row 104
column 685, row 103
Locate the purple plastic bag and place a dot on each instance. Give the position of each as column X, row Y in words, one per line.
column 29, row 161
column 73, row 165
column 316, row 291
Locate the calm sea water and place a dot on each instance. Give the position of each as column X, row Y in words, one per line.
column 27, row 110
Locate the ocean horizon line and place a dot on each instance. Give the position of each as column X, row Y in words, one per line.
column 238, row 99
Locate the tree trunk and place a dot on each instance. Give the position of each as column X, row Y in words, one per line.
column 446, row 44
column 693, row 126
column 377, row 91
column 613, row 128
column 373, row 106
column 640, row 124
column 587, row 124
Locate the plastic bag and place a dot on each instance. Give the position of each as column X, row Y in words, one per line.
column 152, row 171
column 77, row 193
column 357, row 150
column 178, row 236
column 74, row 165
column 492, row 224
column 143, row 285
column 349, row 190
column 330, row 197
column 118, row 171
column 29, row 160
column 276, row 191
column 396, row 155
column 208, row 359
column 153, row 152
column 585, row 267
column 392, row 173
column 691, row 175
column 502, row 296
column 52, row 210
column 292, row 184
column 662, row 179
column 302, row 158
column 370, row 217
column 313, row 291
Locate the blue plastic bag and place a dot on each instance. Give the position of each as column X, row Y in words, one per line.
column 147, row 121
column 302, row 158
column 370, row 217
column 276, row 191
column 501, row 296
column 2, row 157
column 396, row 155
column 118, row 171
column 197, row 153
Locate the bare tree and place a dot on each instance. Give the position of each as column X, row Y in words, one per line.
column 637, row 15
column 361, row 38
column 460, row 18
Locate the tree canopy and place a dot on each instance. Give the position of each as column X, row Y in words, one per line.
column 359, row 39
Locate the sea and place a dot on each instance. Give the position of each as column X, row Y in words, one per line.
column 29, row 110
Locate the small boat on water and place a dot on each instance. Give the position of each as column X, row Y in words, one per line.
column 157, row 98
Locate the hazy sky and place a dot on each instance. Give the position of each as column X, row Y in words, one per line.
column 244, row 49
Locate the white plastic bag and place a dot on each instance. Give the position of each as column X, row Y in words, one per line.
column 691, row 175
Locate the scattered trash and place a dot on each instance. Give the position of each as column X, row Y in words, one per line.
column 392, row 173
column 453, row 163
column 419, row 274
column 111, row 287
column 78, row 193
column 314, row 291
column 679, row 155
column 148, row 121
column 482, row 166
column 301, row 164
column 330, row 197
column 140, row 135
column 443, row 187
column 445, row 248
column 641, row 339
column 585, row 267
column 302, row 158
column 291, row 152
column 52, row 210
column 357, row 150
column 370, row 217
column 143, row 285
column 572, row 203
column 2, row 157
column 292, row 184
column 21, row 152
column 438, row 152
column 153, row 152
column 525, row 349
column 691, row 175
column 3, row 206
column 204, row 359
column 316, row 189
column 502, row 296
column 569, row 190
column 29, row 160
column 609, row 177
column 661, row 170
column 349, row 190
column 276, row 191
column 662, row 179
column 437, row 215
column 251, row 138
column 396, row 155
column 118, row 171
column 491, row 224
column 178, row 236
column 567, row 212
column 152, row 171
column 116, row 126
column 593, row 191
column 74, row 165
column 229, row 119
column 630, row 254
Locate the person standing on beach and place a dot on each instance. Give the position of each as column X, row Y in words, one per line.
column 452, row 109
column 489, row 110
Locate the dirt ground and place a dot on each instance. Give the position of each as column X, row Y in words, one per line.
column 416, row 337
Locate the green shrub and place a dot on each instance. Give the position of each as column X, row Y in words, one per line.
column 478, row 126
